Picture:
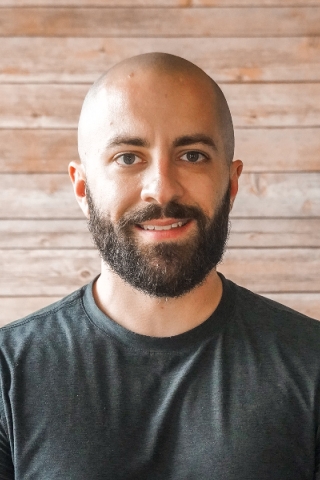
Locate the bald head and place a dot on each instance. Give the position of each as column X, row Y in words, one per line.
column 162, row 65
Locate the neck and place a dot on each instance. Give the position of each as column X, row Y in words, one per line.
column 151, row 316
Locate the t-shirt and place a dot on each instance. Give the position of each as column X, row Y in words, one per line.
column 236, row 398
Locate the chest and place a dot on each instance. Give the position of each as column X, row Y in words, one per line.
column 203, row 414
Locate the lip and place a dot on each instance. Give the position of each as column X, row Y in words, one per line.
column 161, row 235
column 163, row 222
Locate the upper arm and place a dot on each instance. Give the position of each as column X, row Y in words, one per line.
column 6, row 465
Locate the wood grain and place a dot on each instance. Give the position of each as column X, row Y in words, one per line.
column 46, row 272
column 275, row 270
column 278, row 195
column 37, row 196
column 248, row 3
column 255, row 105
column 245, row 233
column 159, row 3
column 13, row 308
column 82, row 60
column 260, row 195
column 40, row 106
column 278, row 149
column 306, row 303
column 57, row 272
column 262, row 150
column 270, row 105
column 274, row 233
column 37, row 151
column 266, row 56
column 169, row 22
column 43, row 234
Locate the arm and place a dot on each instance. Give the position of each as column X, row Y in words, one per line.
column 6, row 465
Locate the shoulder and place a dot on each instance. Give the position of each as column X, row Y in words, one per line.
column 272, row 319
column 43, row 323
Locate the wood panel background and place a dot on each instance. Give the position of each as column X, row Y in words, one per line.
column 265, row 54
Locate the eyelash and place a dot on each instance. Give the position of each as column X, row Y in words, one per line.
column 204, row 156
column 129, row 154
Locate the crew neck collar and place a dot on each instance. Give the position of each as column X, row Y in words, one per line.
column 205, row 330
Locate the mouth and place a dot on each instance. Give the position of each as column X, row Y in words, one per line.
column 158, row 227
column 164, row 229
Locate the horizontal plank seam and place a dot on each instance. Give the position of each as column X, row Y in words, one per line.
column 236, row 218
column 248, row 247
column 169, row 7
column 271, row 127
column 274, row 218
column 45, row 219
column 92, row 249
column 247, row 170
column 288, row 292
column 55, row 219
column 4, row 249
column 141, row 37
column 222, row 82
column 53, row 84
column 73, row 129
column 261, row 127
column 316, row 35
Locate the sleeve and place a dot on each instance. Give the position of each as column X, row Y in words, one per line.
column 317, row 431
column 6, row 465
column 6, row 461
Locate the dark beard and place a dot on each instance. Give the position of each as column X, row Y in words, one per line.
column 167, row 269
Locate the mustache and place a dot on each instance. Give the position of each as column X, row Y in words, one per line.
column 155, row 212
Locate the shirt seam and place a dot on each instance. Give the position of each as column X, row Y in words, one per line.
column 40, row 315
column 181, row 351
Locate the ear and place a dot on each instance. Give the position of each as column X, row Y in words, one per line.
column 78, row 179
column 235, row 172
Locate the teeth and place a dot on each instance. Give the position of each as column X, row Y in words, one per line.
column 164, row 227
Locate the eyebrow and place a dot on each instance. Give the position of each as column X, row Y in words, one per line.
column 182, row 141
column 186, row 140
column 127, row 140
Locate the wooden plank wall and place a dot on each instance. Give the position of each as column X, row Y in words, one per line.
column 266, row 56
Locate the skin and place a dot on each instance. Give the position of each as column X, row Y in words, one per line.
column 160, row 104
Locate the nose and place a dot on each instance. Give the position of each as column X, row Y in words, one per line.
column 161, row 183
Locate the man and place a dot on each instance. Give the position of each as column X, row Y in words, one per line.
column 160, row 368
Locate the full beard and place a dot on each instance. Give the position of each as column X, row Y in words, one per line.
column 166, row 269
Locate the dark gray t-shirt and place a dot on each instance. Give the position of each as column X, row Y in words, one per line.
column 236, row 398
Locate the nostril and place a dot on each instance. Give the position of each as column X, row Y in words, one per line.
column 162, row 188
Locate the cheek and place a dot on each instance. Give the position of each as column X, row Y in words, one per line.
column 116, row 196
column 206, row 193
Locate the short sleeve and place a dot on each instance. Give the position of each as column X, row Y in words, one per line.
column 6, row 465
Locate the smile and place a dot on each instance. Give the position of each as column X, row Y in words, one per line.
column 164, row 227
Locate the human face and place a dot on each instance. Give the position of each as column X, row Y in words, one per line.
column 152, row 141
column 161, row 269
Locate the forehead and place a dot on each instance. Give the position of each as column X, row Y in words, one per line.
column 148, row 103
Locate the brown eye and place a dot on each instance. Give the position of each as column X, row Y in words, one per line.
column 193, row 156
column 127, row 159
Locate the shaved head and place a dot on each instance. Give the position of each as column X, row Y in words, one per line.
column 163, row 65
column 157, row 178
